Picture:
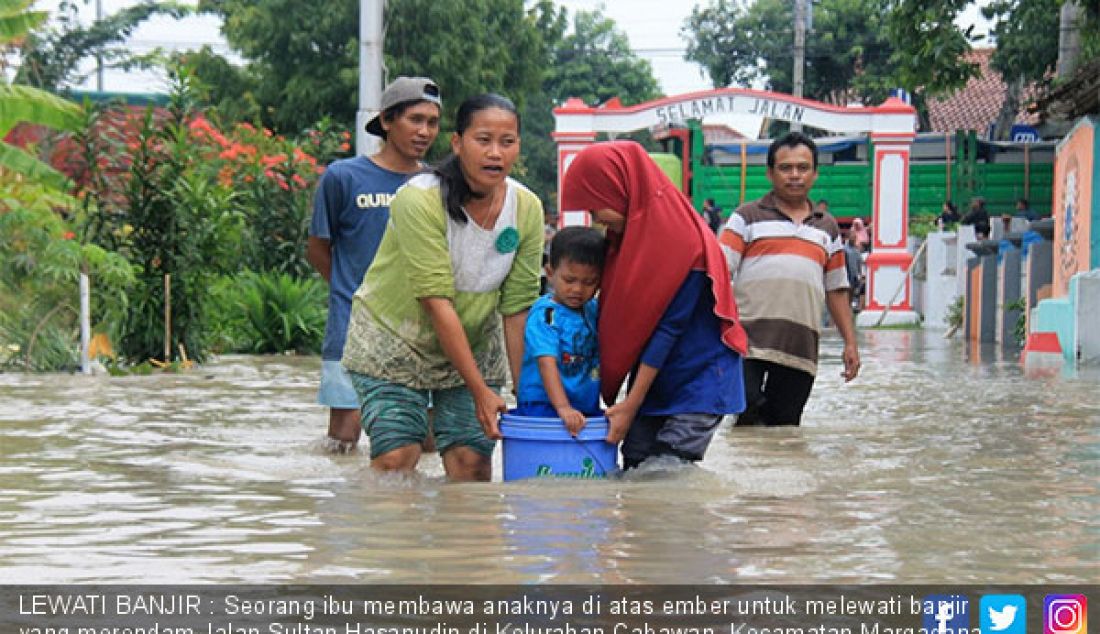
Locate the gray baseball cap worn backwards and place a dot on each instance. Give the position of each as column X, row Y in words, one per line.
column 401, row 90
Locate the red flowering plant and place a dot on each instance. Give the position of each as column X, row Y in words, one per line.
column 183, row 195
column 272, row 180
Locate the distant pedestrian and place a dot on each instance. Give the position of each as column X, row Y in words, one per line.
column 977, row 216
column 949, row 215
column 863, row 236
column 1024, row 210
column 712, row 213
column 853, row 262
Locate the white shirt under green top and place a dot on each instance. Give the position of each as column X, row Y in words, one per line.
column 426, row 253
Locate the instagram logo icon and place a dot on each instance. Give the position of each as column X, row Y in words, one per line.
column 1065, row 614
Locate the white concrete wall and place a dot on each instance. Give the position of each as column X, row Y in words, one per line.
column 918, row 276
column 1085, row 311
column 940, row 288
column 964, row 236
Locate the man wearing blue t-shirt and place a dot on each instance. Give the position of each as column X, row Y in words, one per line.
column 350, row 212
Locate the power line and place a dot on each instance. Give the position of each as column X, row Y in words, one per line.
column 177, row 43
column 658, row 51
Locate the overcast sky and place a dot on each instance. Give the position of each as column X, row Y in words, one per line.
column 653, row 27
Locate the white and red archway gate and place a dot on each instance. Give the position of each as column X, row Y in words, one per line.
column 891, row 127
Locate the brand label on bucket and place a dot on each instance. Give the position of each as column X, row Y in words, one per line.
column 588, row 471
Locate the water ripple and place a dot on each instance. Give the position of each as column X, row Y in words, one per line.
column 932, row 467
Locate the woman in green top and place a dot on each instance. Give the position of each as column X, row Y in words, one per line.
column 460, row 257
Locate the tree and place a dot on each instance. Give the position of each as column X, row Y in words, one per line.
column 1026, row 33
column 229, row 89
column 720, row 37
column 847, row 52
column 1090, row 30
column 298, row 70
column 295, row 75
column 930, row 47
column 594, row 63
column 42, row 260
column 51, row 59
column 303, row 72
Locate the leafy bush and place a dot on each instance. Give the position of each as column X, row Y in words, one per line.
column 183, row 196
column 272, row 180
column 282, row 314
column 921, row 226
column 268, row 313
column 1019, row 329
column 39, row 282
column 229, row 328
column 177, row 225
column 955, row 314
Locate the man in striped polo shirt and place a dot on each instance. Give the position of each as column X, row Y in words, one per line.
column 786, row 261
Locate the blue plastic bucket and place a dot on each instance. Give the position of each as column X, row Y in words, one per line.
column 542, row 448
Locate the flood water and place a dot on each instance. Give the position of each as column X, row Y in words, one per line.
column 934, row 466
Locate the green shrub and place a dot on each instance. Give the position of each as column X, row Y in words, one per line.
column 955, row 313
column 1019, row 329
column 147, row 192
column 229, row 328
column 39, row 281
column 281, row 313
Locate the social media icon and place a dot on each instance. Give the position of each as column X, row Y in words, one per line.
column 945, row 614
column 1003, row 614
column 1065, row 614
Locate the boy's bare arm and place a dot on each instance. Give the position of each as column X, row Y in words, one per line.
column 551, row 382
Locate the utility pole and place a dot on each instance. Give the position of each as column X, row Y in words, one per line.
column 799, row 52
column 370, row 73
column 98, row 58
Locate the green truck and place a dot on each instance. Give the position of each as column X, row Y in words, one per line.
column 955, row 167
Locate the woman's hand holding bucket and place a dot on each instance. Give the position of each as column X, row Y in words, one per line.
column 619, row 418
column 489, row 406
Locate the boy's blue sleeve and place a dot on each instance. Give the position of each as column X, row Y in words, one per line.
column 541, row 335
column 592, row 312
column 674, row 321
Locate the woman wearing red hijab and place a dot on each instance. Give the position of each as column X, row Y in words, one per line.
column 667, row 314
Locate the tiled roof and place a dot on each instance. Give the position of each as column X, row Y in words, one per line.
column 975, row 106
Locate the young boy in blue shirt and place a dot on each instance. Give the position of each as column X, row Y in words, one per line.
column 560, row 376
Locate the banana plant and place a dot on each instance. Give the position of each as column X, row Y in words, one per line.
column 24, row 104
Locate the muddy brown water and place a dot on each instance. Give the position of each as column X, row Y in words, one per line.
column 938, row 464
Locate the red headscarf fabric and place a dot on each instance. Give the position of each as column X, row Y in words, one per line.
column 663, row 240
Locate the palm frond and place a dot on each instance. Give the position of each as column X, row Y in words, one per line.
column 17, row 160
column 15, row 27
column 26, row 104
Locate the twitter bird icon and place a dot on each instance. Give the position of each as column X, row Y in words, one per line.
column 1003, row 614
